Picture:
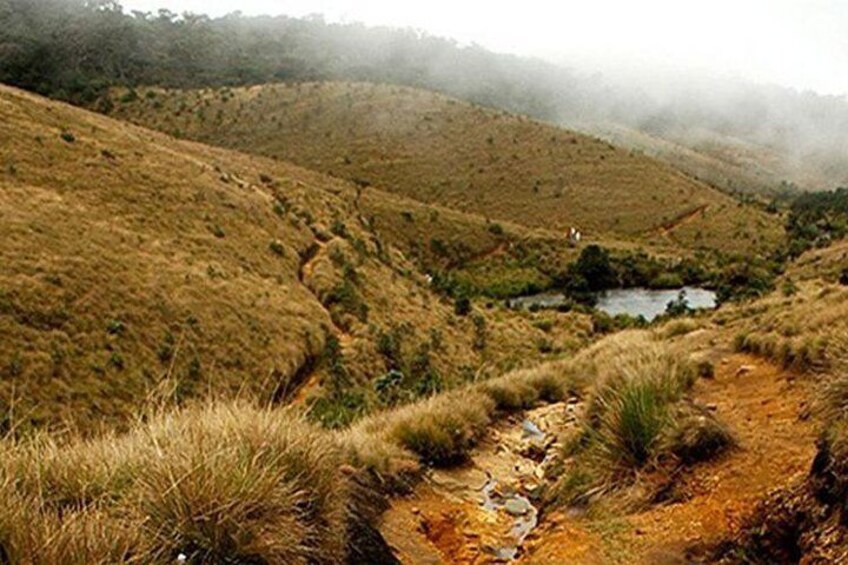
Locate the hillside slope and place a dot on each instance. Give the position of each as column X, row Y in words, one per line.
column 440, row 150
column 137, row 267
column 734, row 164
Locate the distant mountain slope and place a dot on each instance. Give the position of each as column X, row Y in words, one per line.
column 137, row 267
column 731, row 163
column 75, row 50
column 439, row 150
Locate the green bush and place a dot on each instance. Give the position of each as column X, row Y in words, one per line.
column 462, row 306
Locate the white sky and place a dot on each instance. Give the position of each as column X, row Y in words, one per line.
column 797, row 43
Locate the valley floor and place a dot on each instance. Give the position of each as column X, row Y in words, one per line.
column 448, row 520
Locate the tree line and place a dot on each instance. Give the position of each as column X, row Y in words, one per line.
column 75, row 49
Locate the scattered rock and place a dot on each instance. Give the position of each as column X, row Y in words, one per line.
column 529, row 429
column 517, row 506
column 534, row 450
column 744, row 370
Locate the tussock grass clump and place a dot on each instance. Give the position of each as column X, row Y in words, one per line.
column 522, row 389
column 802, row 353
column 440, row 430
column 228, row 483
column 677, row 328
column 242, row 487
column 698, row 436
column 638, row 421
column 631, row 408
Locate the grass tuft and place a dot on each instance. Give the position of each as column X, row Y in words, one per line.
column 638, row 422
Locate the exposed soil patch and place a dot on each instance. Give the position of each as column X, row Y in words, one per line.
column 483, row 511
column 766, row 408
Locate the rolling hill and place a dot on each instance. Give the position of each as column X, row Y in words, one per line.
column 439, row 150
column 138, row 268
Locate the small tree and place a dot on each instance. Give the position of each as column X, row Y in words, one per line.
column 595, row 268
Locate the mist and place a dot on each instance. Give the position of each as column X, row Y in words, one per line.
column 741, row 82
column 748, row 96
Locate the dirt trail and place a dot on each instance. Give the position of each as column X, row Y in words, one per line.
column 447, row 520
column 765, row 407
column 299, row 395
column 665, row 229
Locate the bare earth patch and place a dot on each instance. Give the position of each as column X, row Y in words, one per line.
column 765, row 407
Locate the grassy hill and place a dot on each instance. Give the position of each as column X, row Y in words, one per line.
column 138, row 268
column 443, row 151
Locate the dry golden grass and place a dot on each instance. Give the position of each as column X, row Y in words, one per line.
column 224, row 483
column 442, row 429
column 794, row 331
column 442, row 151
column 139, row 268
column 230, row 482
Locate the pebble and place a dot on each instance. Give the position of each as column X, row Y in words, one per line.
column 517, row 506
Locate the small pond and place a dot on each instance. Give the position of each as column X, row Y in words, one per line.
column 633, row 301
column 651, row 303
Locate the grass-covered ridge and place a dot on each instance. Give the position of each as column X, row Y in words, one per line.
column 441, row 150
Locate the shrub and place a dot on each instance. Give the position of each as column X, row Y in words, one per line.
column 129, row 96
column 277, row 248
column 115, row 327
column 666, row 280
column 462, row 306
column 594, row 267
column 602, row 323
column 68, row 137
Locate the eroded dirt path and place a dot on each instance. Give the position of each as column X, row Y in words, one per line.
column 448, row 520
column 311, row 381
column 668, row 227
column 767, row 410
column 483, row 511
